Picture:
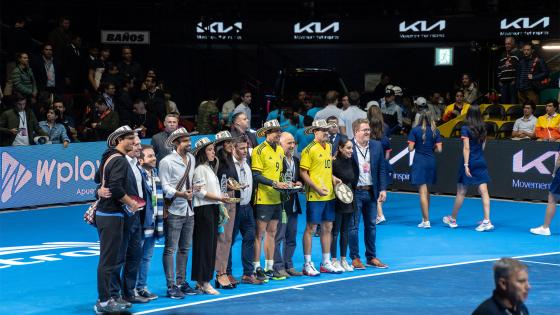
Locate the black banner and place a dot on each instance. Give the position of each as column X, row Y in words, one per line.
column 520, row 170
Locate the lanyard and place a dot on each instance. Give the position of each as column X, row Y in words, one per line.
column 22, row 119
column 362, row 153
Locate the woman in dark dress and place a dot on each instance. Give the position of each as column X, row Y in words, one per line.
column 553, row 196
column 473, row 171
column 342, row 169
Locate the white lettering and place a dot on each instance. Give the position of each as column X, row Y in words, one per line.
column 59, row 177
column 524, row 22
column 423, row 26
column 81, row 253
column 316, row 28
column 44, row 172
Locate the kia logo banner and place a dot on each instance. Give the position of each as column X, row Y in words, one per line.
column 525, row 26
column 219, row 31
column 317, row 31
column 420, row 29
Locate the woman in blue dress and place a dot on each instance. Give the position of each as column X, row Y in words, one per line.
column 424, row 139
column 378, row 128
column 553, row 195
column 473, row 171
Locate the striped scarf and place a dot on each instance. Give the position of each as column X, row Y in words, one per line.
column 156, row 226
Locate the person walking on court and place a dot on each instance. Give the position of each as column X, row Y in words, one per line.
column 424, row 139
column 474, row 171
column 553, row 195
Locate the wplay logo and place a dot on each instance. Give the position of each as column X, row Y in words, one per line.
column 14, row 176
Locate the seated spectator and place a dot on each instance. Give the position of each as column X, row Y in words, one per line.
column 18, row 126
column 207, row 117
column 101, row 122
column 111, row 75
column 66, row 119
column 53, row 127
column 524, row 127
column 142, row 119
column 469, row 88
column 109, row 91
column 547, row 128
column 456, row 109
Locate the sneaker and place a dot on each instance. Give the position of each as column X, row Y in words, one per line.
column 337, row 266
column 309, row 270
column 450, row 221
column 124, row 303
column 379, row 220
column 146, row 294
column 175, row 293
column 357, row 264
column 261, row 275
column 329, row 268
column 375, row 262
column 186, row 289
column 424, row 225
column 541, row 231
column 283, row 273
column 347, row 267
column 484, row 227
column 269, row 273
column 275, row 275
column 136, row 299
column 110, row 307
column 250, row 280
column 294, row 273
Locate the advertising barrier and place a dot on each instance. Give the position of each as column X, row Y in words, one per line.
column 519, row 170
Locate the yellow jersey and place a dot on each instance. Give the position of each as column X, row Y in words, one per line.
column 268, row 161
column 317, row 160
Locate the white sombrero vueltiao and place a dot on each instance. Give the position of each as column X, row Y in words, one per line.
column 223, row 136
column 119, row 132
column 201, row 144
column 181, row 132
column 268, row 125
column 318, row 124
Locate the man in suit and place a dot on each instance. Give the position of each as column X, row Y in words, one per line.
column 47, row 71
column 334, row 133
column 368, row 162
column 286, row 231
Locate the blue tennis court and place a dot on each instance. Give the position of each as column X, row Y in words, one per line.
column 48, row 261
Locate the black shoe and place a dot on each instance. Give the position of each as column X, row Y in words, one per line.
column 122, row 302
column 175, row 293
column 111, row 307
column 269, row 273
column 261, row 275
column 146, row 294
column 137, row 299
column 188, row 290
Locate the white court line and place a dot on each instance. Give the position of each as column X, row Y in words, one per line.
column 299, row 286
column 540, row 263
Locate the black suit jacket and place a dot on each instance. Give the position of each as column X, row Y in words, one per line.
column 227, row 167
column 288, row 201
column 40, row 74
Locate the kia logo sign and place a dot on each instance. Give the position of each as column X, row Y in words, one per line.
column 524, row 23
column 317, row 31
column 421, row 26
column 219, row 31
column 519, row 167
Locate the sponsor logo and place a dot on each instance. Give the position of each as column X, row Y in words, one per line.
column 525, row 26
column 421, row 29
column 516, row 183
column 219, row 31
column 125, row 37
column 14, row 176
column 317, row 31
column 538, row 163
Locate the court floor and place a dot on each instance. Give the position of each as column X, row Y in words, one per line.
column 48, row 260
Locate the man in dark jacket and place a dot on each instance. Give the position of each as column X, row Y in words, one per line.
column 47, row 71
column 240, row 126
column 19, row 126
column 531, row 71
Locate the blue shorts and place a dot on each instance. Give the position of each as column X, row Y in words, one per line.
column 320, row 211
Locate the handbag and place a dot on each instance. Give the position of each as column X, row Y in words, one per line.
column 89, row 215
column 168, row 201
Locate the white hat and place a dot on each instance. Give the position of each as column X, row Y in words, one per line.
column 121, row 131
column 201, row 144
column 42, row 140
column 371, row 103
column 420, row 101
column 223, row 136
column 398, row 91
column 318, row 124
column 268, row 125
column 181, row 132
column 388, row 88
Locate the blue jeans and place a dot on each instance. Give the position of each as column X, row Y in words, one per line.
column 147, row 253
column 178, row 239
column 244, row 223
column 508, row 93
column 367, row 207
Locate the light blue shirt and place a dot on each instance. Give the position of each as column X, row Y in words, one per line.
column 57, row 134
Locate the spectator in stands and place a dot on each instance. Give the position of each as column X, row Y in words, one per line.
column 60, row 36
column 436, row 105
column 507, row 71
column 512, row 288
column 531, row 71
column 170, row 106
column 374, row 116
column 109, row 90
column 334, row 134
column 352, row 112
column 392, row 113
column 66, row 119
column 73, row 65
column 547, row 127
column 102, row 122
column 153, row 98
column 18, row 126
column 123, row 101
column 228, row 108
column 240, row 127
column 245, row 105
column 96, row 69
column 469, row 88
column 23, row 80
column 207, row 118
column 112, row 75
column 47, row 71
column 331, row 109
column 303, row 139
column 460, row 107
column 171, row 123
column 379, row 91
column 53, row 127
column 524, row 127
column 144, row 120
column 128, row 67
column 290, row 122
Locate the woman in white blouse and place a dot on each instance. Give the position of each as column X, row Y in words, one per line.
column 206, row 202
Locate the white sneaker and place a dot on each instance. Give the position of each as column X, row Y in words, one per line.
column 484, row 227
column 379, row 220
column 347, row 267
column 540, row 231
column 309, row 270
column 424, row 225
column 328, row 267
column 450, row 221
column 337, row 266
